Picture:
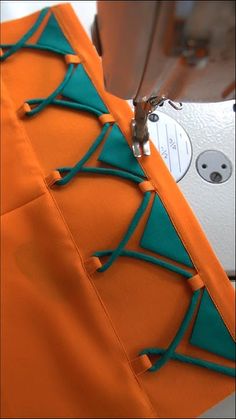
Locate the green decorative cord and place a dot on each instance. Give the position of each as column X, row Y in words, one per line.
column 72, row 172
column 139, row 213
column 191, row 360
column 104, row 171
column 37, row 47
column 52, row 96
column 18, row 45
column 42, row 103
column 147, row 258
column 169, row 352
column 67, row 104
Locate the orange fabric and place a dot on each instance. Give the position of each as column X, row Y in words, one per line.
column 141, row 364
column 146, row 186
column 196, row 282
column 72, row 59
column 52, row 178
column 106, row 117
column 69, row 338
column 23, row 110
column 92, row 264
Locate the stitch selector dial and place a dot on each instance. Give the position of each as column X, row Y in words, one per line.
column 173, row 143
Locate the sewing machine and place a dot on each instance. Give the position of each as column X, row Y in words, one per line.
column 158, row 51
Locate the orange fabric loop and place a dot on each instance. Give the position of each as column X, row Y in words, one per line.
column 146, row 186
column 52, row 178
column 106, row 117
column 72, row 59
column 1, row 52
column 196, row 282
column 92, row 264
column 23, row 110
column 141, row 364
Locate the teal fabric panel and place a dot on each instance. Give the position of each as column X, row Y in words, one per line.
column 117, row 152
column 81, row 89
column 53, row 36
column 210, row 332
column 161, row 237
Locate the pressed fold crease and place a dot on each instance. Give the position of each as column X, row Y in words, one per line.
column 22, row 205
